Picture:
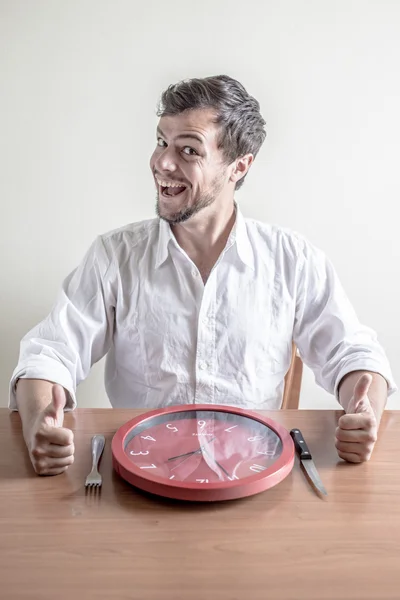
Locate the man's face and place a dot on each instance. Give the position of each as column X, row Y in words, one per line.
column 188, row 167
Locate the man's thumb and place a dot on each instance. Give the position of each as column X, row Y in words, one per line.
column 364, row 405
column 55, row 409
column 360, row 402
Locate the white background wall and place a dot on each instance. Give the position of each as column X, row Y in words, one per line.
column 79, row 84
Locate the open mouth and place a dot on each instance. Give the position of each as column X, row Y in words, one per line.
column 170, row 189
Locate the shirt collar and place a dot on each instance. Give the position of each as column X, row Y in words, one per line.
column 238, row 236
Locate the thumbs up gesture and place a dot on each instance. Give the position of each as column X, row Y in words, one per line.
column 50, row 445
column 357, row 430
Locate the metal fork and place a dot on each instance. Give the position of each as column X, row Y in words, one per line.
column 94, row 478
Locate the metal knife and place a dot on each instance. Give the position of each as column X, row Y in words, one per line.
column 306, row 460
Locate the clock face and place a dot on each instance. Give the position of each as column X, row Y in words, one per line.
column 203, row 452
column 201, row 446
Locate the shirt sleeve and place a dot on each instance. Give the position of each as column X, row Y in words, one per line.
column 76, row 333
column 330, row 338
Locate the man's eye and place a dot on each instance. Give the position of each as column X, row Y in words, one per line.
column 189, row 150
column 160, row 142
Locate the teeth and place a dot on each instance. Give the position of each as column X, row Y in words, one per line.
column 169, row 183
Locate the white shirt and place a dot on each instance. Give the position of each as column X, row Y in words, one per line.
column 169, row 339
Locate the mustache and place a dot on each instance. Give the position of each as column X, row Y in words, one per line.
column 171, row 179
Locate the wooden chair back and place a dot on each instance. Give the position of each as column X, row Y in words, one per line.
column 291, row 392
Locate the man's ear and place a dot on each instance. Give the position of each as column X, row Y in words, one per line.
column 240, row 167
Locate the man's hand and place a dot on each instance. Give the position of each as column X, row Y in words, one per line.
column 50, row 445
column 357, row 430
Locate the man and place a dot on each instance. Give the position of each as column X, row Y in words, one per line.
column 199, row 305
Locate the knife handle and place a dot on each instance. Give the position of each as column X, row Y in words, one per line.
column 300, row 444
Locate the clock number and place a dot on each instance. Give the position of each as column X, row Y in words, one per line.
column 138, row 453
column 202, row 480
column 230, row 428
column 267, row 453
column 233, row 477
column 257, row 468
column 172, row 477
column 256, row 438
column 147, row 437
column 201, row 424
column 171, row 427
column 149, row 467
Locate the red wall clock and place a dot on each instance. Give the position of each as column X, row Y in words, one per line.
column 202, row 452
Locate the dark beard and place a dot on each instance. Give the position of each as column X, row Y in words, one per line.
column 186, row 213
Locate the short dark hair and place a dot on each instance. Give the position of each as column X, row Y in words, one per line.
column 238, row 113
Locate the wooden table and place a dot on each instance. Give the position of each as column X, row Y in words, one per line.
column 58, row 542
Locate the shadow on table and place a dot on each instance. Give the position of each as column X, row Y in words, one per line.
column 129, row 497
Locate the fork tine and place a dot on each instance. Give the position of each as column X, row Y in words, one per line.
column 94, row 479
column 93, row 485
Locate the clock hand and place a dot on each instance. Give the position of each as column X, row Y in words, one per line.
column 184, row 459
column 216, row 462
column 186, row 454
column 222, row 468
column 189, row 453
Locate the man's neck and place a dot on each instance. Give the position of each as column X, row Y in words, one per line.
column 204, row 237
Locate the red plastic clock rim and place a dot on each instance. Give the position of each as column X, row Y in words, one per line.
column 227, row 490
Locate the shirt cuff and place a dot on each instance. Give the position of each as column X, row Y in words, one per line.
column 43, row 368
column 367, row 365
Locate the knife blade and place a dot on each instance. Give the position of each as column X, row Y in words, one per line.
column 306, row 460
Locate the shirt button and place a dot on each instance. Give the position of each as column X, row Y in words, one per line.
column 203, row 365
column 194, row 273
column 205, row 320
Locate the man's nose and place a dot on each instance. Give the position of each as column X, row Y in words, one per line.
column 166, row 161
